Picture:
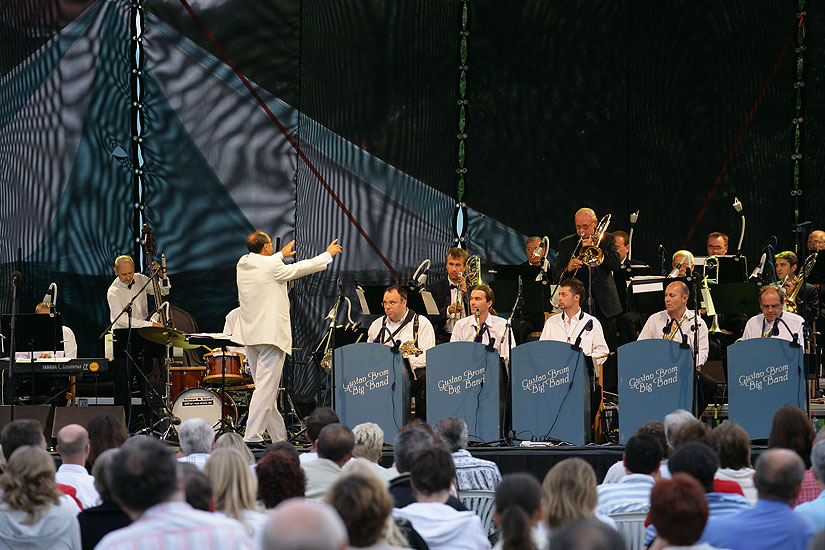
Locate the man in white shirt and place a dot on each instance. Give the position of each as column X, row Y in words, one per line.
column 124, row 288
column 773, row 322
column 335, row 446
column 264, row 324
column 642, row 455
column 73, row 446
column 69, row 341
column 676, row 322
column 197, row 441
column 400, row 326
column 482, row 326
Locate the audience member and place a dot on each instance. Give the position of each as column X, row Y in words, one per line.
column 298, row 524
column 234, row 440
column 771, row 523
column 518, row 512
column 369, row 444
column 657, row 430
column 105, row 432
column 642, row 456
column 34, row 514
column 690, row 431
column 316, row 421
column 144, row 477
column 235, row 488
column 792, row 429
column 441, row 526
column 471, row 474
column 815, row 509
column 96, row 522
column 197, row 491
column 73, row 446
column 569, row 493
column 197, row 441
column 733, row 448
column 679, row 512
column 334, row 445
column 284, row 446
column 673, row 423
column 280, row 478
column 587, row 534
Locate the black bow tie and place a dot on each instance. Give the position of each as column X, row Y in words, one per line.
column 130, row 285
column 452, row 286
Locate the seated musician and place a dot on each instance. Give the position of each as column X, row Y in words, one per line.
column 677, row 322
column 717, row 244
column 773, row 322
column 483, row 324
column 450, row 295
column 807, row 301
column 411, row 333
column 628, row 322
column 682, row 264
column 816, row 240
column 69, row 342
column 124, row 288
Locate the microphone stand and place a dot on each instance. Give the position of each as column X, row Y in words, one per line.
column 695, row 354
column 508, row 331
column 16, row 276
column 331, row 342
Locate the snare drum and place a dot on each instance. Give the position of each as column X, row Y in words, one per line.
column 184, row 378
column 206, row 404
column 215, row 363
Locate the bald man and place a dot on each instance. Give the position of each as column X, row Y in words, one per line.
column 299, row 524
column 73, row 446
column 125, row 287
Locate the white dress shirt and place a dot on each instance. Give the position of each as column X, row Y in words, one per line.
column 465, row 330
column 565, row 328
column 69, row 348
column 756, row 327
column 119, row 295
column 426, row 336
column 655, row 325
column 76, row 476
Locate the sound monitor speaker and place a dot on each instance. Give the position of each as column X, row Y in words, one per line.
column 82, row 415
column 41, row 413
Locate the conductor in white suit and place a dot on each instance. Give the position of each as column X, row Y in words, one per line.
column 264, row 327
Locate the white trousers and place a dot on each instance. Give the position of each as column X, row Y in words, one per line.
column 267, row 365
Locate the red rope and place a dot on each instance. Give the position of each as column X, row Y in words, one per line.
column 289, row 138
column 742, row 132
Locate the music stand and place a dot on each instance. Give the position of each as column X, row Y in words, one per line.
column 532, row 295
column 736, row 298
column 647, row 293
column 35, row 332
column 371, row 298
column 817, row 275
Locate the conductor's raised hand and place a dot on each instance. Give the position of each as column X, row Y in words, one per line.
column 334, row 248
column 287, row 250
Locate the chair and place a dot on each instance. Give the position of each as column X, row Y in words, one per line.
column 631, row 525
column 483, row 503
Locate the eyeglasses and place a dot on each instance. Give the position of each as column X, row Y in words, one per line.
column 391, row 304
column 715, row 247
column 584, row 226
column 770, row 306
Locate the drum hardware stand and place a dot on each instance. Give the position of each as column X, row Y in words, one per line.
column 289, row 409
column 169, row 416
column 225, row 425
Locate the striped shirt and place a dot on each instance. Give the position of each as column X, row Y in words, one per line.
column 630, row 494
column 198, row 459
column 719, row 504
column 474, row 474
column 177, row 525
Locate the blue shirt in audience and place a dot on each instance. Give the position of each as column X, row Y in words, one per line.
column 814, row 510
column 630, row 494
column 719, row 504
column 769, row 525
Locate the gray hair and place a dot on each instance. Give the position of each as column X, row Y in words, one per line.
column 299, row 524
column 674, row 421
column 453, row 432
column 369, row 440
column 818, row 460
column 407, row 442
column 196, row 436
column 100, row 471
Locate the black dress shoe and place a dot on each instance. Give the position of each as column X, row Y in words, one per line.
column 255, row 445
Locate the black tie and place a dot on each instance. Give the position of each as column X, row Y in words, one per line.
column 452, row 286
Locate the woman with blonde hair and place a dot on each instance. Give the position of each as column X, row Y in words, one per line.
column 234, row 487
column 569, row 494
column 34, row 514
column 232, row 440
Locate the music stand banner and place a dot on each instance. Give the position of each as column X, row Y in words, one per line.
column 551, row 393
column 763, row 375
column 372, row 385
column 655, row 378
column 462, row 381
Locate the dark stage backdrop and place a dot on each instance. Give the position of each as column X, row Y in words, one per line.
column 617, row 105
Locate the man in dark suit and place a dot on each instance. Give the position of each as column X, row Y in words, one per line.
column 628, row 323
column 807, row 300
column 451, row 307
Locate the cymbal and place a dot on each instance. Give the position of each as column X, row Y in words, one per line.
column 159, row 335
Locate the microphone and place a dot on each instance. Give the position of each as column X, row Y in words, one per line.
column 757, row 271
column 492, row 341
column 539, row 252
column 775, row 332
column 589, row 326
column 175, row 420
column 684, row 344
column 736, row 204
column 420, row 276
column 163, row 269
column 16, row 276
column 340, row 287
column 668, row 326
column 394, row 347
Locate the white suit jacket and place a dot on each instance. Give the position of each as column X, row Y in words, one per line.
column 262, row 291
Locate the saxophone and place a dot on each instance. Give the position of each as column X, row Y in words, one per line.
column 791, row 303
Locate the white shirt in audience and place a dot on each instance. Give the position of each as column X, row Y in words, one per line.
column 76, row 476
column 445, row 528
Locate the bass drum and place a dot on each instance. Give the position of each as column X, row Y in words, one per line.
column 206, row 404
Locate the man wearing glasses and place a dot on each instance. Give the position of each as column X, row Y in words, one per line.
column 400, row 326
column 717, row 244
column 773, row 322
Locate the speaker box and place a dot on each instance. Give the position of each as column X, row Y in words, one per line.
column 41, row 413
column 82, row 415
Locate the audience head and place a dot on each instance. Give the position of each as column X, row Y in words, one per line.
column 642, row 454
column 421, row 425
column 518, row 508
column 196, row 436
column 284, row 446
column 779, row 474
column 335, row 443
column 143, row 474
column 657, row 430
column 569, row 491
column 20, row 433
column 587, row 534
column 105, row 432
column 280, row 477
column 298, row 524
column 691, row 431
column 28, row 483
column 792, row 429
column 100, row 471
column 233, row 482
column 73, row 444
column 679, row 509
column 369, row 441
column 730, row 441
column 364, row 505
column 232, row 440
column 674, row 421
column 818, row 460
column 698, row 461
column 197, row 491
column 453, row 432
column 316, row 421
column 432, row 471
column 407, row 442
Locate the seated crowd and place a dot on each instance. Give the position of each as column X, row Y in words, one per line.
column 690, row 486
